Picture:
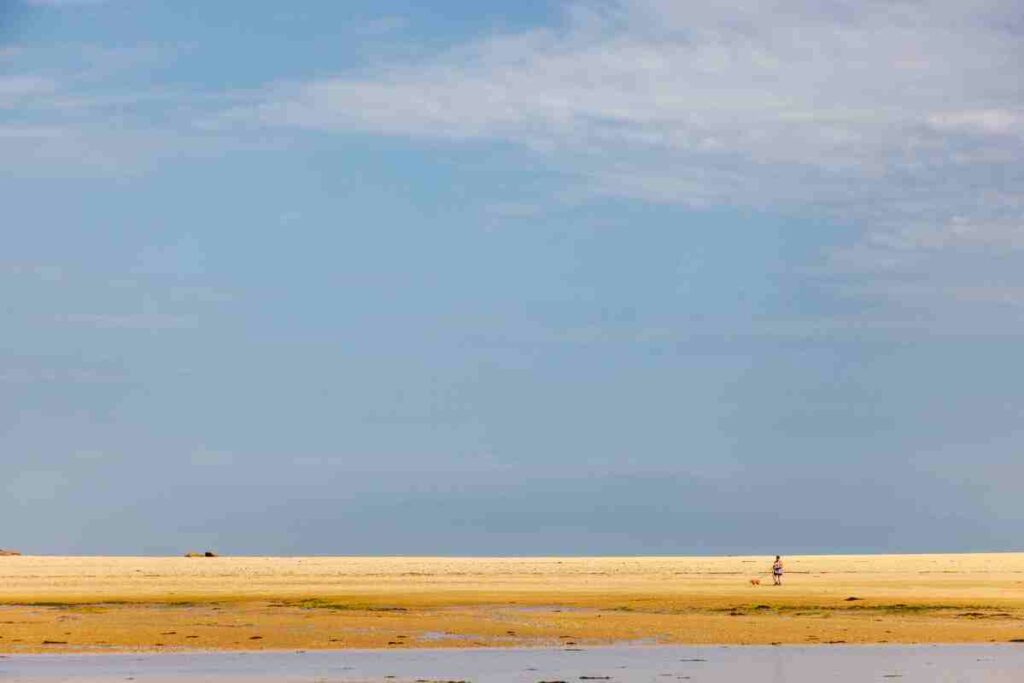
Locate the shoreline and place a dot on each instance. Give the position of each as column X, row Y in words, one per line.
column 617, row 647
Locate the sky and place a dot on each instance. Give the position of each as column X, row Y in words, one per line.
column 592, row 277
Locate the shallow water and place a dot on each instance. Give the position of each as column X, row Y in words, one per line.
column 931, row 664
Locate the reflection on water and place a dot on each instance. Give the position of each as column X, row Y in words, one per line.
column 966, row 663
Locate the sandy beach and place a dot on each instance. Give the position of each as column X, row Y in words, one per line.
column 113, row 604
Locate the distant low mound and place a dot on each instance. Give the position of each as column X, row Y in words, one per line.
column 8, row 553
column 208, row 553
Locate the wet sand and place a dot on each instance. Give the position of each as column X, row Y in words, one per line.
column 81, row 604
column 839, row 664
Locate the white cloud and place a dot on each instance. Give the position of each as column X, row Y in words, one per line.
column 77, row 118
column 905, row 118
column 736, row 85
column 956, row 232
column 983, row 121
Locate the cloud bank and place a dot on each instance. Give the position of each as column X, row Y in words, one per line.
column 905, row 119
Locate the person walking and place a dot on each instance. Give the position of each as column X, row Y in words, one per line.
column 777, row 571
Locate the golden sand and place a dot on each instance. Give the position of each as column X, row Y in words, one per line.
column 68, row 604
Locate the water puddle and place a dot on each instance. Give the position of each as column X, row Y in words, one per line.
column 835, row 664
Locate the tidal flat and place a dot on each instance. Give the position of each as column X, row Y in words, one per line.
column 64, row 605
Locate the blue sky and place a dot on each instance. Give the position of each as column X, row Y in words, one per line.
column 595, row 277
